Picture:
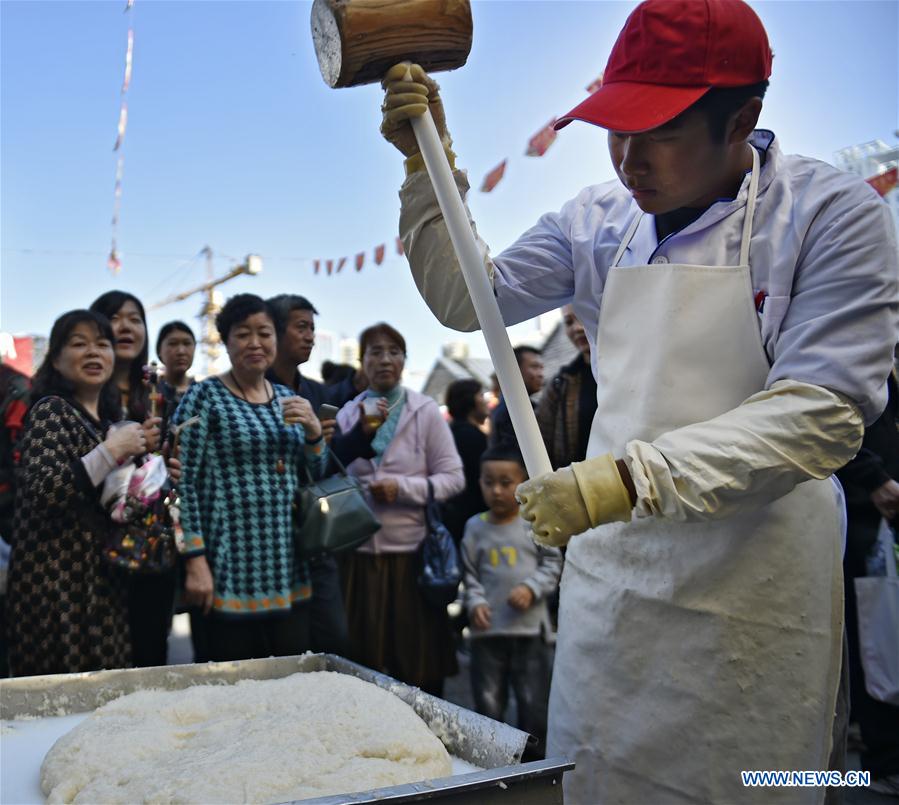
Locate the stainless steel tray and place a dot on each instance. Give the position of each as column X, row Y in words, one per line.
column 472, row 737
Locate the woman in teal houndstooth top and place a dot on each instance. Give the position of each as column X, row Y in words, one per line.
column 241, row 466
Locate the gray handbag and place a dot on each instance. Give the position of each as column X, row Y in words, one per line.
column 331, row 515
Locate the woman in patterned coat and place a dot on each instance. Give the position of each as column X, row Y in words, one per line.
column 242, row 462
column 66, row 607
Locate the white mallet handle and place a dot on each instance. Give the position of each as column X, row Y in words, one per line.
column 481, row 291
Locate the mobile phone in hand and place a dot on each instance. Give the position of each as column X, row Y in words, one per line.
column 327, row 411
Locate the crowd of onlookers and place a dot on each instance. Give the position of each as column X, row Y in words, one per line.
column 238, row 445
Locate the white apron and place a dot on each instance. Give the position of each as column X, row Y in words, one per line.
column 688, row 652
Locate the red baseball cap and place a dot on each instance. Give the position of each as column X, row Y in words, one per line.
column 668, row 55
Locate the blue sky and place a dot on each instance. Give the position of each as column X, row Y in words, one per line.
column 235, row 141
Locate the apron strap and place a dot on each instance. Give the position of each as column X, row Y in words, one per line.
column 750, row 208
column 628, row 236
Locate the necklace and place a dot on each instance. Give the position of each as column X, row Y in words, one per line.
column 244, row 394
column 280, row 466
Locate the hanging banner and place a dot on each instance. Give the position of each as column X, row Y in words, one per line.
column 123, row 124
column 379, row 254
column 128, row 58
column 542, row 140
column 112, row 262
column 493, row 178
column 884, row 182
column 360, row 261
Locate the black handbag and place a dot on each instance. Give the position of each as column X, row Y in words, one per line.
column 331, row 515
column 441, row 570
column 146, row 542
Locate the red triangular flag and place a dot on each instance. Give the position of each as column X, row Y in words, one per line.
column 542, row 140
column 340, row 264
column 329, row 266
column 360, row 261
column 316, row 264
column 399, row 246
column 379, row 254
column 493, row 178
column 885, row 181
column 595, row 84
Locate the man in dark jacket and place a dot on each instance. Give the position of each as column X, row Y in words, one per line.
column 872, row 493
column 295, row 327
column 530, row 364
column 565, row 412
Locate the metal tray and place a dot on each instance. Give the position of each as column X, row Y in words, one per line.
column 494, row 746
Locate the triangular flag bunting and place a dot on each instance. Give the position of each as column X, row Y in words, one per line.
column 316, row 265
column 379, row 254
column 399, row 246
column 885, row 181
column 329, row 266
column 542, row 140
column 341, row 264
column 493, row 178
column 360, row 261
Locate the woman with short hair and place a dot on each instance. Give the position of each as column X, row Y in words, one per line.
column 67, row 608
column 241, row 465
column 396, row 454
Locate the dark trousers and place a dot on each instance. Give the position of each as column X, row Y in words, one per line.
column 878, row 721
column 522, row 664
column 199, row 634
column 253, row 637
column 151, row 603
column 329, row 633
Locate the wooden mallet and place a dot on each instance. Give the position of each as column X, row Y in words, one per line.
column 357, row 42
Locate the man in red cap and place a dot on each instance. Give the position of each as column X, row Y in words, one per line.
column 745, row 304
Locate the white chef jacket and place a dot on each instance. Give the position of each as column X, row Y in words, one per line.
column 823, row 255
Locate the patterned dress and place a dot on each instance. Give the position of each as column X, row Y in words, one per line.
column 66, row 608
column 241, row 466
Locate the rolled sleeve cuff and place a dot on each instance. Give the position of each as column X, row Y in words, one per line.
column 194, row 545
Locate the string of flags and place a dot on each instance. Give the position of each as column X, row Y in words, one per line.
column 336, row 266
column 113, row 263
column 538, row 145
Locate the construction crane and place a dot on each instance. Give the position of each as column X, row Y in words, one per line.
column 212, row 343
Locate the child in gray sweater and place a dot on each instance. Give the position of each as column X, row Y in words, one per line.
column 507, row 580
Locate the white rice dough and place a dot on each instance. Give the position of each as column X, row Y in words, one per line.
column 306, row 735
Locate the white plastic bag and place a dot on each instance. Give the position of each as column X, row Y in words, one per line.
column 878, row 625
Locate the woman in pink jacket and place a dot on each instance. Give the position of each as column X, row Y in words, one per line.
column 395, row 450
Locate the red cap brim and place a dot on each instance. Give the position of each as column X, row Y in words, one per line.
column 633, row 107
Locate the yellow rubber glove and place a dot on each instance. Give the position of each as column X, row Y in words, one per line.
column 569, row 501
column 405, row 99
